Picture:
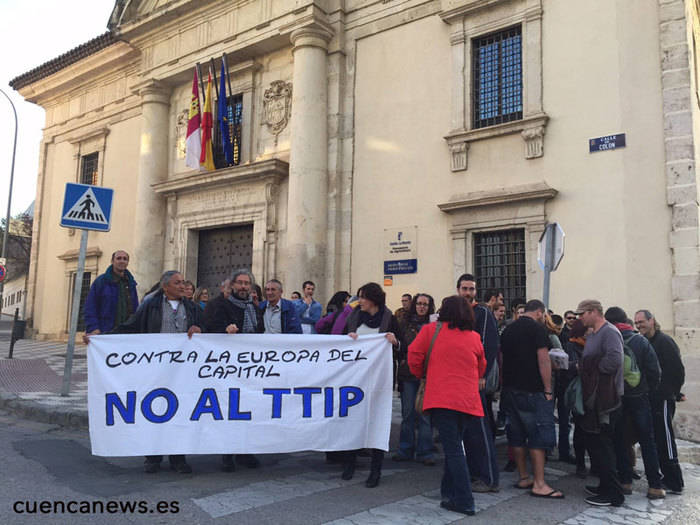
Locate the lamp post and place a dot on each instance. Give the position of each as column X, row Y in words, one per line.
column 9, row 196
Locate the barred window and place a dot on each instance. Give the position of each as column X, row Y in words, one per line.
column 499, row 262
column 88, row 168
column 497, row 89
column 235, row 128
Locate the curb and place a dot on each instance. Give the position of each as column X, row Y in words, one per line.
column 34, row 411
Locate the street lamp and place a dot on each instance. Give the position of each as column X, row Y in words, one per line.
column 9, row 197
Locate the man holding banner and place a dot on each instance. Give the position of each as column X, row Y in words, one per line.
column 166, row 312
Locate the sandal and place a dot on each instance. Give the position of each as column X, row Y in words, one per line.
column 551, row 495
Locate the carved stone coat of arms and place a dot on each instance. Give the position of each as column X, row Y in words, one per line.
column 277, row 106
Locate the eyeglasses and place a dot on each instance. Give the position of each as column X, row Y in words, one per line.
column 571, row 318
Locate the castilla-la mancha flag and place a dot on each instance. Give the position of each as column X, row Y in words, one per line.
column 206, row 158
column 193, row 142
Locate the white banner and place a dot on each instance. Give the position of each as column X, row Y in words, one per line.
column 232, row 394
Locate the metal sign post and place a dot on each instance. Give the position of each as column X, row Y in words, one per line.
column 75, row 310
column 88, row 208
column 550, row 253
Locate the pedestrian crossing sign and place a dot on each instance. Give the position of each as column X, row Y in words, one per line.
column 87, row 207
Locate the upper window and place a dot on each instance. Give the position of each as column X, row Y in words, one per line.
column 499, row 262
column 89, row 169
column 497, row 78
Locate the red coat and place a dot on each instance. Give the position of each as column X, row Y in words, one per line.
column 456, row 364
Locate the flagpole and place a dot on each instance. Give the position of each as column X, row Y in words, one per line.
column 201, row 85
column 230, row 94
column 216, row 82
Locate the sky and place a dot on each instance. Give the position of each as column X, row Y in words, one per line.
column 31, row 33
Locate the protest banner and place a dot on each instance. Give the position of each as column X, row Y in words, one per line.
column 233, row 394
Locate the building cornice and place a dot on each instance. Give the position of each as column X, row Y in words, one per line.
column 514, row 194
column 197, row 181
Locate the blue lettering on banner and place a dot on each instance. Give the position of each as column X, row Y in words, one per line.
column 208, row 404
column 234, row 406
column 401, row 266
column 346, row 401
column 127, row 412
column 306, row 394
column 147, row 410
column 276, row 394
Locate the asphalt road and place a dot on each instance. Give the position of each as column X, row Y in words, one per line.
column 45, row 463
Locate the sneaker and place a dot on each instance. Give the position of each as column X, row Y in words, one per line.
column 673, row 491
column 593, row 490
column 598, row 501
column 656, row 493
column 627, row 489
column 429, row 462
column 636, row 475
column 448, row 505
column 480, row 486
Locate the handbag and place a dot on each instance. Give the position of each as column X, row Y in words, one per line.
column 573, row 396
column 492, row 379
column 421, row 387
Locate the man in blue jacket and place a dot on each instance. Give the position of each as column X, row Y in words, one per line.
column 279, row 315
column 308, row 309
column 112, row 297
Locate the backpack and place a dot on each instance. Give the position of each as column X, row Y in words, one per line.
column 630, row 368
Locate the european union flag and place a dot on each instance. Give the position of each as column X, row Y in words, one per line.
column 223, row 118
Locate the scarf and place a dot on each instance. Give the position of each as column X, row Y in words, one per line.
column 124, row 306
column 250, row 318
column 372, row 321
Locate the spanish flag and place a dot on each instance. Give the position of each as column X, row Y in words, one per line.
column 206, row 159
column 193, row 142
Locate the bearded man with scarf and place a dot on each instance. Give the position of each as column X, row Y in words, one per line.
column 232, row 315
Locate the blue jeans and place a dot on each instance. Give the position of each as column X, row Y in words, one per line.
column 456, row 485
column 408, row 444
column 636, row 411
column 480, row 447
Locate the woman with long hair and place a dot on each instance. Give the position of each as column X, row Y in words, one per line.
column 422, row 307
column 455, row 370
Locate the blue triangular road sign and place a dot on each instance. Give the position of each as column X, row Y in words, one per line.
column 87, row 207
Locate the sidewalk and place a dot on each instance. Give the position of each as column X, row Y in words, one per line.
column 30, row 387
column 30, row 383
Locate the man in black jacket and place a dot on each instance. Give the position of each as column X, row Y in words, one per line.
column 165, row 311
column 636, row 409
column 233, row 315
column 663, row 400
column 478, row 439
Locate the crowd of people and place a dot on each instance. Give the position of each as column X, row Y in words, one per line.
column 616, row 379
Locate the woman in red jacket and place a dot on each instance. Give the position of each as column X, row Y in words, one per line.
column 455, row 369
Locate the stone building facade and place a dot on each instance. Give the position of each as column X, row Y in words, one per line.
column 467, row 122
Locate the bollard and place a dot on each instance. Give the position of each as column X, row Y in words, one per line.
column 12, row 334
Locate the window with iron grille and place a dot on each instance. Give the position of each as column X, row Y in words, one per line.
column 88, row 168
column 235, row 128
column 499, row 262
column 84, row 289
column 497, row 89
